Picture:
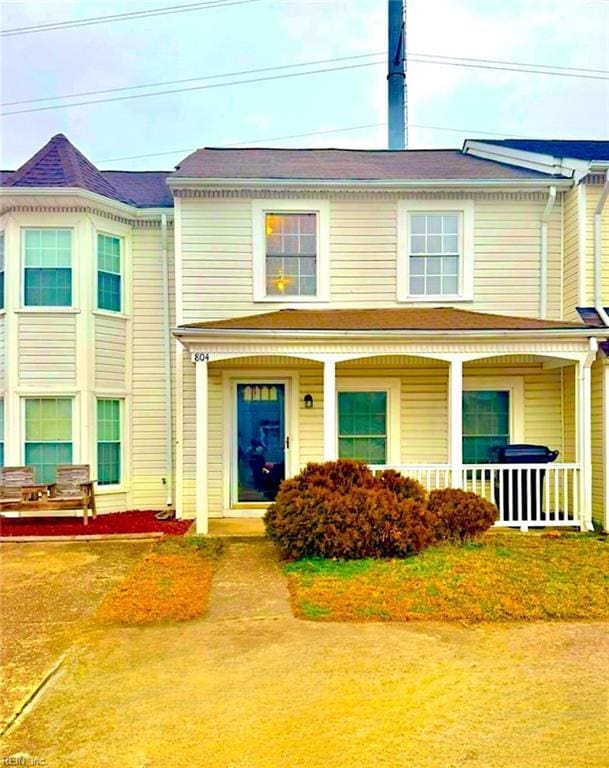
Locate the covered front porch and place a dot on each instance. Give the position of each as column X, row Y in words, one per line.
column 436, row 410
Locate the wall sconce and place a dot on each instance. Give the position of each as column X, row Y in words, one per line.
column 308, row 401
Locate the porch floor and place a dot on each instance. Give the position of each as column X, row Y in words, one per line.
column 228, row 527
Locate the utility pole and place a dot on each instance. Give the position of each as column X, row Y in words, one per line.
column 396, row 75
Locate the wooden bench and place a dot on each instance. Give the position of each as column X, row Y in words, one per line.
column 72, row 490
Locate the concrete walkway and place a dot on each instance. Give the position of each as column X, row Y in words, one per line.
column 249, row 584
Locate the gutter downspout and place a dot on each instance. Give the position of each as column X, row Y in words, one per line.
column 167, row 364
column 543, row 261
column 585, row 436
column 598, row 264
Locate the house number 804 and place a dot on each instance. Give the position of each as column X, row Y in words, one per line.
column 200, row 357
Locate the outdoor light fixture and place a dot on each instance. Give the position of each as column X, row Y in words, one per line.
column 308, row 401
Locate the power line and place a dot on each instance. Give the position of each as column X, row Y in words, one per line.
column 189, row 79
column 192, row 88
column 548, row 69
column 319, row 133
column 163, row 11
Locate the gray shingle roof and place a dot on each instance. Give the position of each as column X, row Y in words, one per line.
column 347, row 165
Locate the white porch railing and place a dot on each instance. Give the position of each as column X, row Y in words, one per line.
column 526, row 495
column 431, row 476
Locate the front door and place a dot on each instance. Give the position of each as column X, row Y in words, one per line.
column 261, row 442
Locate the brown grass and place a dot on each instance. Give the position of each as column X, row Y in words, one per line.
column 172, row 583
column 504, row 577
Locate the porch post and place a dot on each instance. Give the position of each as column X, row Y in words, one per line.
column 201, row 416
column 584, row 434
column 455, row 420
column 330, row 439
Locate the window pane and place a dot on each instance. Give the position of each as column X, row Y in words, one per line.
column 417, row 286
column 108, row 441
column 45, row 457
column 48, row 248
column 451, row 244
column 47, row 287
column 450, row 224
column 109, row 291
column 485, row 424
column 417, row 225
column 362, row 426
column 434, row 224
column 434, row 244
column 417, row 244
column 450, row 285
column 108, row 463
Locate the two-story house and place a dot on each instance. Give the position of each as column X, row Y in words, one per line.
column 409, row 309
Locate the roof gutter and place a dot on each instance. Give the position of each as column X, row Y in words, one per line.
column 249, row 333
column 598, row 263
column 543, row 258
column 349, row 184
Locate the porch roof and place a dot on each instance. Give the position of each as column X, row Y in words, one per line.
column 393, row 319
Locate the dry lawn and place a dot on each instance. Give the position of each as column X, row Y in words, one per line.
column 172, row 583
column 504, row 577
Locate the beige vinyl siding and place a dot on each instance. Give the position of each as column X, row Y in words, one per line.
column 110, row 351
column 111, row 502
column 598, row 475
column 569, row 414
column 217, row 270
column 47, row 347
column 423, row 409
column 507, row 257
column 571, row 255
column 593, row 193
column 148, row 421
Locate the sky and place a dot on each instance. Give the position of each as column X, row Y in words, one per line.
column 272, row 33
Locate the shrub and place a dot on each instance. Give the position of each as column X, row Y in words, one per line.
column 403, row 487
column 340, row 509
column 460, row 515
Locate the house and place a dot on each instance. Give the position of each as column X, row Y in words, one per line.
column 198, row 335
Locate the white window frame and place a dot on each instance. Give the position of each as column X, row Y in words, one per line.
column 76, row 433
column 393, row 389
column 465, row 211
column 42, row 307
column 121, row 486
column 512, row 384
column 121, row 239
column 322, row 210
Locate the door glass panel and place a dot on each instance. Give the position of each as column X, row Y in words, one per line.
column 260, row 440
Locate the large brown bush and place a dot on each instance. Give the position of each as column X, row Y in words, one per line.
column 460, row 515
column 340, row 509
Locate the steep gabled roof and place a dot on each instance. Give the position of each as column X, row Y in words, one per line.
column 60, row 164
column 348, row 165
column 559, row 148
column 398, row 319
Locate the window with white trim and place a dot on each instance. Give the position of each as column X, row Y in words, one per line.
column 47, row 272
column 435, row 250
column 48, row 435
column 109, row 291
column 486, row 425
column 108, row 441
column 290, row 243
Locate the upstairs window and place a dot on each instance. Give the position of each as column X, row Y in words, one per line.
column 47, row 268
column 434, row 254
column 291, row 253
column 1, row 270
column 435, row 250
column 109, row 273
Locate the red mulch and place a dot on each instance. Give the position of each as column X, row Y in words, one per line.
column 136, row 521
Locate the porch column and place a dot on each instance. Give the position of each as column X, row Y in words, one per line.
column 330, row 439
column 584, row 434
column 455, row 420
column 201, row 416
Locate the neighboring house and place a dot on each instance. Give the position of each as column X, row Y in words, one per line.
column 411, row 309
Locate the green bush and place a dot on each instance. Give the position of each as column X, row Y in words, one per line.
column 460, row 515
column 341, row 510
